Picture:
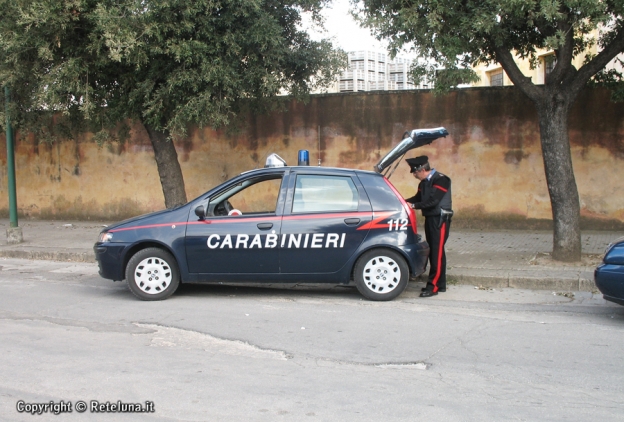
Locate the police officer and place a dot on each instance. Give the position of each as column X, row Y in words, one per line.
column 434, row 200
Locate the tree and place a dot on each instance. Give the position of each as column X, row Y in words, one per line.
column 167, row 63
column 458, row 34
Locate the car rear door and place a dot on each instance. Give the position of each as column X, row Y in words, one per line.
column 323, row 223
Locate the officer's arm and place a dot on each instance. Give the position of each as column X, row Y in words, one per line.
column 440, row 187
column 414, row 199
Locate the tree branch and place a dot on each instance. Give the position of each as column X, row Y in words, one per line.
column 564, row 56
column 598, row 63
column 505, row 58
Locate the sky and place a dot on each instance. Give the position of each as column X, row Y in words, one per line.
column 347, row 33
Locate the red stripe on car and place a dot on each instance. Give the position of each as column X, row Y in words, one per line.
column 242, row 219
column 376, row 222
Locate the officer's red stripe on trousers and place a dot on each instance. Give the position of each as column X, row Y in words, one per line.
column 441, row 246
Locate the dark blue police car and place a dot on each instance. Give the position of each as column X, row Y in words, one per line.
column 609, row 276
column 277, row 224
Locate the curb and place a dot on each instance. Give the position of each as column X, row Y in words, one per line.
column 49, row 256
column 579, row 284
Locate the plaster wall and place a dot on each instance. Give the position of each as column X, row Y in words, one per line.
column 493, row 155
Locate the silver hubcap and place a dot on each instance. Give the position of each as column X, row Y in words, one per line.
column 152, row 275
column 382, row 274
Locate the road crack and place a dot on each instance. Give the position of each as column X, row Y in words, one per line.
column 165, row 336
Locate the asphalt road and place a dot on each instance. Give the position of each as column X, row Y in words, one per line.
column 305, row 354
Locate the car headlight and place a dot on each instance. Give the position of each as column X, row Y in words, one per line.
column 105, row 237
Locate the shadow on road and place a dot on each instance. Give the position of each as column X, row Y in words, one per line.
column 273, row 290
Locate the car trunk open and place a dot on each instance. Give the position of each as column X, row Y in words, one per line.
column 414, row 139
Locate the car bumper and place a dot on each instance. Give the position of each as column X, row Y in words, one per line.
column 109, row 257
column 609, row 280
column 418, row 254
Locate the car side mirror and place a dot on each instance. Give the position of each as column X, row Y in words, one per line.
column 200, row 212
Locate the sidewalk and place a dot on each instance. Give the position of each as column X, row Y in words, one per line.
column 521, row 259
column 484, row 259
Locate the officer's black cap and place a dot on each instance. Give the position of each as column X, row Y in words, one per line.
column 417, row 163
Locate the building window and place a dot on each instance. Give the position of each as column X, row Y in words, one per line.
column 550, row 62
column 496, row 77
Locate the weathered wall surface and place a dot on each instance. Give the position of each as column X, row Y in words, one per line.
column 493, row 156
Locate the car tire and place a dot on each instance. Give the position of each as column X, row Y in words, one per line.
column 381, row 274
column 152, row 274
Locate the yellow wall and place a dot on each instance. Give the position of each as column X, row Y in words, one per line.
column 493, row 155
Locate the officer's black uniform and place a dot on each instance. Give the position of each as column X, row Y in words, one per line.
column 434, row 200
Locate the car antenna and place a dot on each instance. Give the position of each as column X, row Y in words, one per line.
column 395, row 166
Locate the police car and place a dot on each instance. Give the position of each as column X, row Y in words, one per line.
column 289, row 224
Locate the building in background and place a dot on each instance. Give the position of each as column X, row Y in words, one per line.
column 374, row 71
column 494, row 75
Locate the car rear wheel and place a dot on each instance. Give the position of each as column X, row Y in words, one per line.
column 381, row 274
column 152, row 274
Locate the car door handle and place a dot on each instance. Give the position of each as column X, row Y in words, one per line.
column 352, row 221
column 265, row 226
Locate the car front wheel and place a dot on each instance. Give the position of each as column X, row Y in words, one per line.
column 381, row 274
column 152, row 274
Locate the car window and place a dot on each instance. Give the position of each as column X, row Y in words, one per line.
column 324, row 193
column 381, row 196
column 252, row 196
column 260, row 197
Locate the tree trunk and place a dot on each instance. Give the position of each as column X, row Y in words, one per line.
column 553, row 120
column 169, row 170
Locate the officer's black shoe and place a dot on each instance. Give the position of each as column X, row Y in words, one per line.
column 439, row 290
column 428, row 293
